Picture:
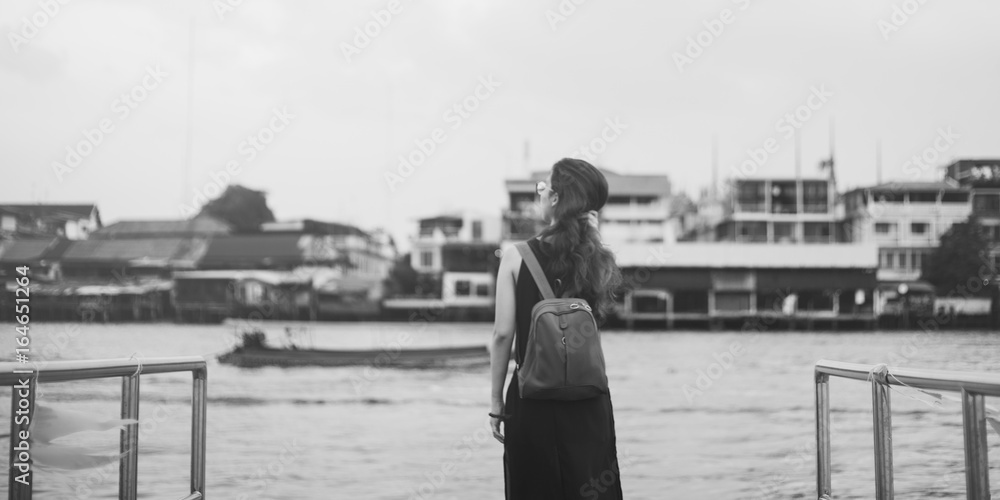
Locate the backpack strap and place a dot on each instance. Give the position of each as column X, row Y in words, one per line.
column 536, row 269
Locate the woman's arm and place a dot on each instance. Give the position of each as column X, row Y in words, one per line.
column 503, row 334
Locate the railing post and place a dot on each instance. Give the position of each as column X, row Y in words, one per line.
column 128, row 467
column 977, row 466
column 18, row 490
column 823, row 471
column 882, row 420
column 199, row 405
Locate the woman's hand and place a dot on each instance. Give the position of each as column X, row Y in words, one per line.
column 495, row 422
column 592, row 218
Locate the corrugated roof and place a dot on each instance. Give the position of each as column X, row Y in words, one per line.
column 136, row 251
column 59, row 211
column 618, row 184
column 201, row 226
column 312, row 226
column 897, row 187
column 747, row 255
column 97, row 287
column 254, row 249
column 266, row 276
column 31, row 250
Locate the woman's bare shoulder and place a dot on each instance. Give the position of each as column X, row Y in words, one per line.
column 510, row 261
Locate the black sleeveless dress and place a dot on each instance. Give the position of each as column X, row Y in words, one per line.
column 555, row 450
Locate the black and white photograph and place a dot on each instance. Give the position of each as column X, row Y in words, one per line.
column 511, row 250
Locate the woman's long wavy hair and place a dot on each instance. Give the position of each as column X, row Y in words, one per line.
column 579, row 260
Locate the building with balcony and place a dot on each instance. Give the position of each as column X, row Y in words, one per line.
column 74, row 222
column 779, row 210
column 203, row 226
column 982, row 178
column 905, row 220
column 637, row 210
column 749, row 286
column 456, row 259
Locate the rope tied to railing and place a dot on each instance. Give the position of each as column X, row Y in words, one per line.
column 881, row 373
column 138, row 368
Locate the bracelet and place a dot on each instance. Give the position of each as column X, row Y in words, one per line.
column 501, row 417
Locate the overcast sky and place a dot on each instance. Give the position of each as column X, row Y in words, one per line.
column 556, row 76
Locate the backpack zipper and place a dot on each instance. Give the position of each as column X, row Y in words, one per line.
column 565, row 361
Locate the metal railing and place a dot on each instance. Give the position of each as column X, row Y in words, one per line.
column 130, row 370
column 973, row 387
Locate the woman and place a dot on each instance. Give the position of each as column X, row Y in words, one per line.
column 556, row 449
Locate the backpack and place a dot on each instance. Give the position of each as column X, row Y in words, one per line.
column 563, row 359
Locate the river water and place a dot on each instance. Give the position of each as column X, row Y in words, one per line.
column 691, row 424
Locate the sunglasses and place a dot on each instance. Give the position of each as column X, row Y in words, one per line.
column 540, row 187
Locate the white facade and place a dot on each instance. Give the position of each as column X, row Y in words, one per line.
column 635, row 219
column 464, row 227
column 467, row 289
column 637, row 209
column 905, row 221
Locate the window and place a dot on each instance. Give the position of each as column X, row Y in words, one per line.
column 885, row 227
column 920, row 228
column 691, row 301
column 784, row 198
column 732, row 301
column 477, row 230
column 784, row 232
column 902, row 259
column 923, row 197
column 815, row 197
column 750, row 196
column 888, row 259
column 752, row 231
column 817, row 232
column 483, row 290
column 520, row 202
column 955, row 198
column 887, row 197
column 426, row 259
column 986, row 203
column 462, row 288
column 815, row 300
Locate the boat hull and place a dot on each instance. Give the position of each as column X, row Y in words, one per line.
column 396, row 358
